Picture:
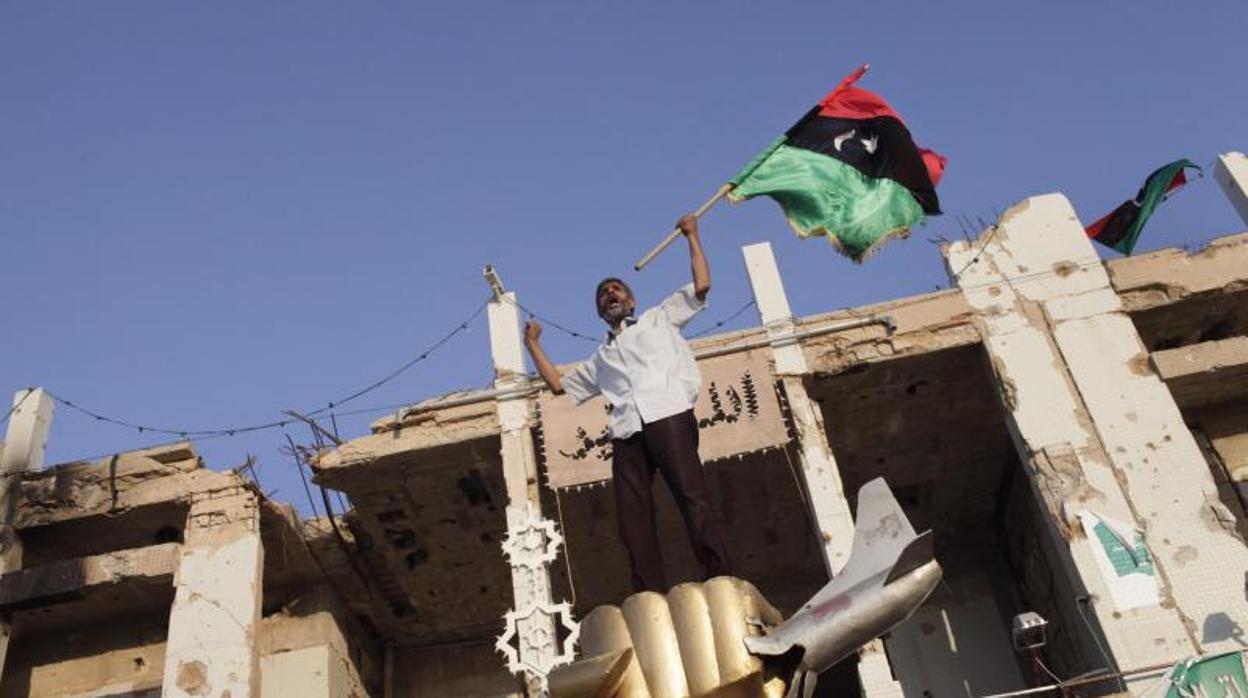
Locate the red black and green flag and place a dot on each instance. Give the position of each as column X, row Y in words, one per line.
column 849, row 170
column 1121, row 228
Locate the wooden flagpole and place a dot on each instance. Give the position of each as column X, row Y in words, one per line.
column 671, row 237
column 723, row 191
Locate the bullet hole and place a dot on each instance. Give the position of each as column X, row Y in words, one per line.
column 473, row 488
column 415, row 558
column 907, row 496
column 167, row 534
column 487, row 538
column 401, row 537
column 139, row 664
column 391, row 515
column 483, row 590
column 913, row 388
column 399, row 608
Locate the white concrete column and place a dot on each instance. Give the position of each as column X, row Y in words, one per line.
column 211, row 647
column 875, row 675
column 27, row 436
column 820, row 473
column 308, row 672
column 535, row 628
column 22, row 449
column 1099, row 432
column 1231, row 171
column 819, row 470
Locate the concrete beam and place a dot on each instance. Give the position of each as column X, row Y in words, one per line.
column 154, row 564
column 1166, row 276
column 924, row 323
column 823, row 487
column 834, row 522
column 1206, row 373
column 1100, row 433
column 1231, row 171
column 403, row 434
column 113, row 485
column 305, row 651
column 211, row 647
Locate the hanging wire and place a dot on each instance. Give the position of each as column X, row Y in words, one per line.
column 548, row 321
column 298, row 461
column 204, row 434
column 749, row 304
column 16, row 406
column 463, row 327
column 597, row 340
column 992, row 233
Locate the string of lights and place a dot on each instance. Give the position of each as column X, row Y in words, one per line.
column 205, row 434
column 462, row 327
column 547, row 321
column 702, row 333
column 582, row 336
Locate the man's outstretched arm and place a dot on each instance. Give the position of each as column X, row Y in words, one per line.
column 697, row 259
column 546, row 369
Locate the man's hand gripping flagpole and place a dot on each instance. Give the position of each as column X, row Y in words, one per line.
column 671, row 237
column 723, row 191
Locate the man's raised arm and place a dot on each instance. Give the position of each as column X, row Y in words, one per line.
column 546, row 369
column 697, row 259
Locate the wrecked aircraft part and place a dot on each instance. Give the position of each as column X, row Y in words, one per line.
column 722, row 638
column 890, row 572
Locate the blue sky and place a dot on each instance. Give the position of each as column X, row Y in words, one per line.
column 211, row 212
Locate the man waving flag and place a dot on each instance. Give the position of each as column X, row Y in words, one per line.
column 849, row 170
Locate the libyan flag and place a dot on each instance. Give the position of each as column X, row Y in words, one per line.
column 848, row 170
column 1121, row 228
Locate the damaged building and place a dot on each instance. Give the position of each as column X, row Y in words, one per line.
column 1073, row 431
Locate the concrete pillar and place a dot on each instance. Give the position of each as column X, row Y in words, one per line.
column 819, row 470
column 1099, row 432
column 822, row 478
column 531, row 587
column 1231, row 171
column 22, row 450
column 211, row 647
column 27, row 436
column 307, row 672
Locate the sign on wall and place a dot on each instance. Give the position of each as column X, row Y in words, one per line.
column 737, row 412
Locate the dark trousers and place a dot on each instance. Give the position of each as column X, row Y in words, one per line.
column 670, row 446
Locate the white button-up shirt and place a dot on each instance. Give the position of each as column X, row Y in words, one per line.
column 646, row 370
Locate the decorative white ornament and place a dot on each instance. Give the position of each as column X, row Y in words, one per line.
column 535, row 650
column 532, row 541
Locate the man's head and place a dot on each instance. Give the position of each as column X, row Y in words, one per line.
column 614, row 300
